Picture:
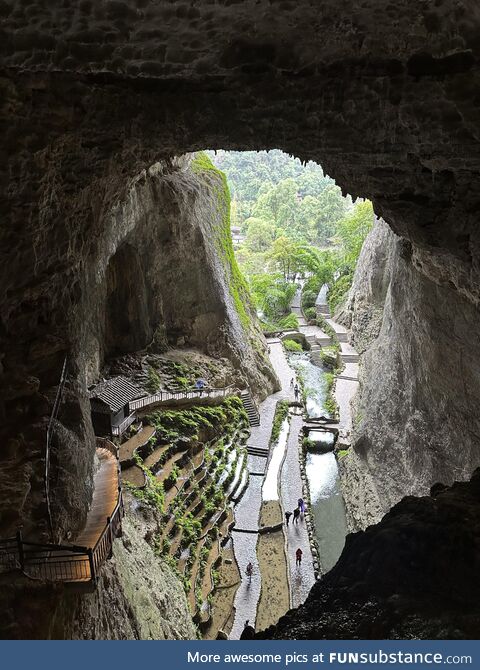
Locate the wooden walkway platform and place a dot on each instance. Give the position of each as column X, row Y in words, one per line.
column 104, row 499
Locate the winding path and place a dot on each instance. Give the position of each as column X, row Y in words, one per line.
column 248, row 509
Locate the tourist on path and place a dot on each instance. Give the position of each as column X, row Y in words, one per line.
column 287, row 517
column 200, row 385
column 298, row 555
column 249, row 571
column 296, row 514
column 301, row 505
column 248, row 632
column 296, row 390
column 292, row 383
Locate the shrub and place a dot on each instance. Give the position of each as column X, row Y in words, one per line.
column 291, row 345
column 289, row 322
column 281, row 413
column 310, row 313
column 328, row 356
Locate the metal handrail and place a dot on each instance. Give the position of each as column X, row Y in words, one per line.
column 53, row 417
column 64, row 563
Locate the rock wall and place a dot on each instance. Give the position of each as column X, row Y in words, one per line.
column 160, row 272
column 415, row 422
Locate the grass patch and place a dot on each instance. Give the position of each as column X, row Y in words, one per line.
column 291, row 345
column 281, row 413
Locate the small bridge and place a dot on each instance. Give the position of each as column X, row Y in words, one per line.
column 81, row 562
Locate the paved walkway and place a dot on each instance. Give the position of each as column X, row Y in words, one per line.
column 347, row 382
column 301, row 580
column 248, row 509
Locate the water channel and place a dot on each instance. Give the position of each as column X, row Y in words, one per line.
column 327, row 507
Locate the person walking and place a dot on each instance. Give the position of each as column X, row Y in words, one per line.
column 249, row 572
column 292, row 383
column 298, row 557
column 296, row 391
column 301, row 505
column 287, row 517
column 248, row 632
column 296, row 514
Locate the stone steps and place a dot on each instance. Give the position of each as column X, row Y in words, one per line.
column 349, row 358
column 250, row 408
column 257, row 451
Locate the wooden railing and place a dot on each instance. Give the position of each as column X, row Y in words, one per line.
column 122, row 427
column 64, row 563
column 50, row 429
column 164, row 396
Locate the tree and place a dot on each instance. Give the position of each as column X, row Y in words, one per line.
column 260, row 234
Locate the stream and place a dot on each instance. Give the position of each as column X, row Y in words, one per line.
column 327, row 506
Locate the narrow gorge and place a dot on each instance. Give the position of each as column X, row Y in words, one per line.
column 118, row 264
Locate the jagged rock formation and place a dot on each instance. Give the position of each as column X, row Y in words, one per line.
column 414, row 575
column 362, row 312
column 419, row 384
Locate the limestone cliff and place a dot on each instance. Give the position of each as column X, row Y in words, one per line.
column 415, row 421
column 158, row 272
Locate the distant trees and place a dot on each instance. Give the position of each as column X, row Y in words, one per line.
column 300, row 201
column 296, row 221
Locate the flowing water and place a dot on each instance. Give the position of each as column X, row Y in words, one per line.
column 314, row 384
column 327, row 507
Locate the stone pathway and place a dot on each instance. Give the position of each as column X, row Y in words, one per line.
column 302, row 579
column 347, row 382
column 248, row 509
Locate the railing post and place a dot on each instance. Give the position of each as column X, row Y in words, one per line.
column 92, row 565
column 21, row 555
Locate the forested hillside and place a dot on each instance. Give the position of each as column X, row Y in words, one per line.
column 295, row 222
column 273, row 190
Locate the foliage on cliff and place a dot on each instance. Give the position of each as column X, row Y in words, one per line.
column 202, row 165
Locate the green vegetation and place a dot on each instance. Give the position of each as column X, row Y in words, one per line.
column 295, row 223
column 280, row 192
column 342, row 453
column 202, row 165
column 291, row 345
column 281, row 413
column 351, row 233
column 330, row 402
column 307, row 443
column 154, row 382
column 328, row 356
column 188, row 423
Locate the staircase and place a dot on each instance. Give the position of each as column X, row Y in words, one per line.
column 250, row 408
column 257, row 451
